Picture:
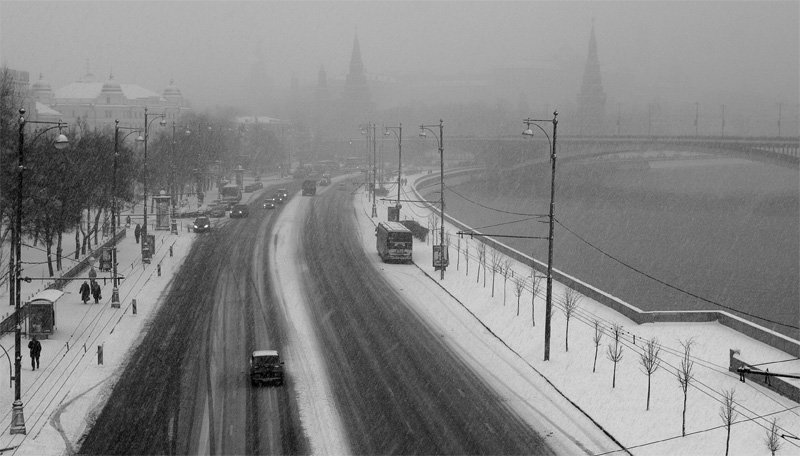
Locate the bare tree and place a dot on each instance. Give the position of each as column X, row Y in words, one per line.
column 481, row 261
column 598, row 336
column 728, row 413
column 466, row 254
column 614, row 353
column 495, row 258
column 572, row 300
column 458, row 253
column 519, row 285
column 650, row 360
column 685, row 377
column 536, row 284
column 505, row 271
column 773, row 440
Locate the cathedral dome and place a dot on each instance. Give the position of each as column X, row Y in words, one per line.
column 41, row 85
column 172, row 90
column 111, row 86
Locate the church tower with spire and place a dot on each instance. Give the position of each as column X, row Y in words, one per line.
column 592, row 98
column 356, row 89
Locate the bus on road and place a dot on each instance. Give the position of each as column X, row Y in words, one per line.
column 230, row 194
column 394, row 242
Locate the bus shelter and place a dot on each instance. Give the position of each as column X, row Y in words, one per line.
column 42, row 313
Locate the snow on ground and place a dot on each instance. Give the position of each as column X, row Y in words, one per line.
column 61, row 397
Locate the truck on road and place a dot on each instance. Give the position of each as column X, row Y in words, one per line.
column 309, row 187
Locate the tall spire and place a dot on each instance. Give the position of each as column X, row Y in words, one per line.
column 356, row 65
column 592, row 98
column 356, row 89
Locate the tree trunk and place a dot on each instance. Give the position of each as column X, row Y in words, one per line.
column 518, row 305
column 59, row 250
column 648, row 391
column 594, row 367
column 728, row 440
column 614, row 381
column 77, row 242
column 49, row 249
column 683, row 424
column 566, row 337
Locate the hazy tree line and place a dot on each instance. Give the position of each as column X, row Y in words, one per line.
column 68, row 193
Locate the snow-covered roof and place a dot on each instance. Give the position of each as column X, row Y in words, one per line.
column 51, row 295
column 91, row 90
column 259, row 120
column 44, row 110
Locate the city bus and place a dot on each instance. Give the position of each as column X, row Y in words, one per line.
column 230, row 194
column 394, row 242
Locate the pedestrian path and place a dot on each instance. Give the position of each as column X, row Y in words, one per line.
column 88, row 343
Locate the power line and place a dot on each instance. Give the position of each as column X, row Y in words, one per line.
column 673, row 286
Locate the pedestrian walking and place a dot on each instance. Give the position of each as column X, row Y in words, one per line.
column 127, row 221
column 137, row 232
column 85, row 292
column 36, row 349
column 96, row 292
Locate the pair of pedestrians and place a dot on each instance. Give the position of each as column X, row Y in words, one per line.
column 94, row 289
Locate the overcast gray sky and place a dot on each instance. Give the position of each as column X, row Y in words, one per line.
column 209, row 47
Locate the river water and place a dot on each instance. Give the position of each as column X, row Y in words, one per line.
column 721, row 232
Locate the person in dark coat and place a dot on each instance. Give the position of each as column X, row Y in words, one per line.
column 96, row 292
column 36, row 349
column 137, row 232
column 85, row 292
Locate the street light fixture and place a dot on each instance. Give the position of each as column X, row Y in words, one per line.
column 61, row 141
column 399, row 159
column 145, row 244
column 114, row 280
column 443, row 258
column 549, row 303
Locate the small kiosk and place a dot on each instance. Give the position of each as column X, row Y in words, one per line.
column 163, row 204
column 42, row 313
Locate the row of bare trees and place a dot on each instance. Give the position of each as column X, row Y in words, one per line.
column 649, row 354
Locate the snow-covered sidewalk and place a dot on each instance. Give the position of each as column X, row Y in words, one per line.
column 620, row 409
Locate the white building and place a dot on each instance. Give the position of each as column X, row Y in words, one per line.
column 88, row 103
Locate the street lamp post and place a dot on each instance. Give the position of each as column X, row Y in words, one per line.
column 443, row 257
column 61, row 141
column 399, row 158
column 145, row 245
column 549, row 303
column 173, row 186
column 365, row 130
column 114, row 214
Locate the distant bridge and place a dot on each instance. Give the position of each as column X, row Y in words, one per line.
column 519, row 150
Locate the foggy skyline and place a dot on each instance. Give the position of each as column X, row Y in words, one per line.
column 208, row 48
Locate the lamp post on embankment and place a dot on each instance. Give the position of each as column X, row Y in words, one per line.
column 549, row 301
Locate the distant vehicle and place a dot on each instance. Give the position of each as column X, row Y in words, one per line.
column 266, row 367
column 268, row 203
column 394, row 242
column 249, row 188
column 326, row 180
column 240, row 211
column 284, row 193
column 258, row 185
column 279, row 198
column 309, row 187
column 216, row 211
column 354, row 162
column 202, row 225
column 230, row 194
